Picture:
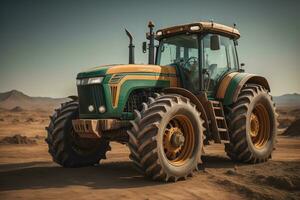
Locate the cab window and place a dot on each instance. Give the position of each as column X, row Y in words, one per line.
column 182, row 51
column 218, row 62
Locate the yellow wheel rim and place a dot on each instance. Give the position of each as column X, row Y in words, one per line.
column 254, row 125
column 260, row 126
column 178, row 140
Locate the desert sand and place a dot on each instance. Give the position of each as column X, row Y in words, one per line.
column 27, row 171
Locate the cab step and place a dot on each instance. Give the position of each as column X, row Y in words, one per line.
column 218, row 122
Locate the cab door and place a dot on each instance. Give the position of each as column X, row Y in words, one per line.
column 217, row 61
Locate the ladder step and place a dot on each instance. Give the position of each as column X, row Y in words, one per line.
column 215, row 102
column 218, row 122
column 225, row 141
column 222, row 129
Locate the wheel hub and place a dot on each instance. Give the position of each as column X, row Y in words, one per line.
column 173, row 140
column 177, row 139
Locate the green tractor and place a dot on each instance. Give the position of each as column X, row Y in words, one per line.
column 192, row 93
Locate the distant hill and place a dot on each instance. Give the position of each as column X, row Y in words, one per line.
column 14, row 98
column 287, row 100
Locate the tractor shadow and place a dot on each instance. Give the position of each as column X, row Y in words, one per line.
column 218, row 162
column 36, row 175
column 110, row 175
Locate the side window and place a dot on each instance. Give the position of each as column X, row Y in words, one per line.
column 182, row 51
column 170, row 51
column 230, row 52
column 219, row 61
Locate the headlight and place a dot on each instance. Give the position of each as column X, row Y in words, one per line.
column 89, row 81
column 95, row 80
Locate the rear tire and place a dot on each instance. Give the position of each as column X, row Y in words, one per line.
column 166, row 138
column 252, row 125
column 65, row 147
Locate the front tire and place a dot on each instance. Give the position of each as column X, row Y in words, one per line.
column 166, row 138
column 252, row 125
column 65, row 147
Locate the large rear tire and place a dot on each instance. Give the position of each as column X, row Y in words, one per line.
column 252, row 125
column 166, row 138
column 65, row 147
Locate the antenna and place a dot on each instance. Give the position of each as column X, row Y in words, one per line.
column 212, row 22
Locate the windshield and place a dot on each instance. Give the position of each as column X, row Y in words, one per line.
column 177, row 49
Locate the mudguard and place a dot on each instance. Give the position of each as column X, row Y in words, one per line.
column 194, row 99
column 231, row 85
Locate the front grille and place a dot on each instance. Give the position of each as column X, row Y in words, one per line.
column 90, row 95
column 137, row 97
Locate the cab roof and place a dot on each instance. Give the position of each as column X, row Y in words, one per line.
column 211, row 27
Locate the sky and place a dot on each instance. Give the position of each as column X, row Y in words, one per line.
column 44, row 44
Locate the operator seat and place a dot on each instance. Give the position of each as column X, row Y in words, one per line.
column 212, row 71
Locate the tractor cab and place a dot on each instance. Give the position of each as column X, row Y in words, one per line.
column 201, row 52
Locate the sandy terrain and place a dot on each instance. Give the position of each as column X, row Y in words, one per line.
column 27, row 172
column 287, row 115
column 27, row 123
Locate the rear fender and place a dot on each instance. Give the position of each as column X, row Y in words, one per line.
column 231, row 85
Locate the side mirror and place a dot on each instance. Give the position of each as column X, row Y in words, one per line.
column 241, row 68
column 214, row 42
column 144, row 47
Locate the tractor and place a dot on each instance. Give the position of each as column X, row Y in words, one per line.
column 192, row 93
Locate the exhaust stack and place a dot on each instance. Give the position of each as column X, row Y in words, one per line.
column 131, row 48
column 151, row 43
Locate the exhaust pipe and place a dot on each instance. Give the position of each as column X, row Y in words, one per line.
column 131, row 48
column 151, row 43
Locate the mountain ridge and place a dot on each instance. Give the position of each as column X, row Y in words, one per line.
column 12, row 94
column 287, row 100
column 15, row 98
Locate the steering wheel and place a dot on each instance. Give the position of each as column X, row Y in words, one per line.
column 188, row 61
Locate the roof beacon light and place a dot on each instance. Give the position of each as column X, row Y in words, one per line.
column 195, row 28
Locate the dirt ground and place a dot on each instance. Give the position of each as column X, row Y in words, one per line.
column 27, row 172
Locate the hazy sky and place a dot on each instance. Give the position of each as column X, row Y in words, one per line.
column 44, row 44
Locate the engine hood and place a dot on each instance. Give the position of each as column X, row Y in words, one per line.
column 116, row 69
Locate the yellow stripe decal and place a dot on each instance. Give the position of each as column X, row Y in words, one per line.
column 115, row 88
column 141, row 68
